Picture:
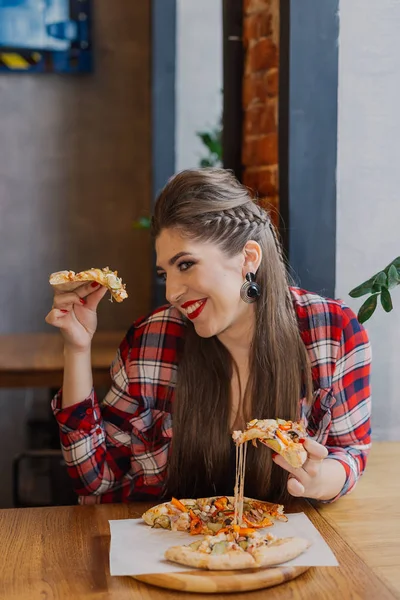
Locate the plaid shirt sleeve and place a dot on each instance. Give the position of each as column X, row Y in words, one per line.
column 117, row 450
column 349, row 437
column 94, row 465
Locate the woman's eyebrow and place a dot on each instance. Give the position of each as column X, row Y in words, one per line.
column 173, row 260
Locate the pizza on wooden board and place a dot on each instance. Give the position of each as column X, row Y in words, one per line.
column 235, row 523
column 68, row 281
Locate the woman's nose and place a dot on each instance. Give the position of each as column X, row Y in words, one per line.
column 174, row 291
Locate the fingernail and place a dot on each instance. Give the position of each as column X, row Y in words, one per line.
column 274, row 455
column 302, row 440
column 94, row 284
column 82, row 301
column 64, row 311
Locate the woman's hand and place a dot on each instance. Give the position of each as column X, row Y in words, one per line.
column 318, row 478
column 74, row 313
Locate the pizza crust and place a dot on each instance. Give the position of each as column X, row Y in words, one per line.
column 231, row 560
column 294, row 454
column 273, row 553
column 280, row 551
column 68, row 281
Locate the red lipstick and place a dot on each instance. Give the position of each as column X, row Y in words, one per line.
column 193, row 315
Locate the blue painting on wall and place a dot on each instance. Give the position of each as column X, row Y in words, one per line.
column 45, row 36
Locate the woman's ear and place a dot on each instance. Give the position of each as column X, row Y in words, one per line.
column 252, row 257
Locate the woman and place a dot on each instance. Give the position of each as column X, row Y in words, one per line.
column 236, row 342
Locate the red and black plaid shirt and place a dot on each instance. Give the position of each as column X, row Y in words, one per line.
column 117, row 450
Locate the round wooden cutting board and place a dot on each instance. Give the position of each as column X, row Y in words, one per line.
column 214, row 582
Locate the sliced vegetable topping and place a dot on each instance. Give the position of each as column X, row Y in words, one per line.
column 162, row 521
column 264, row 523
column 221, row 503
column 282, row 437
column 179, row 505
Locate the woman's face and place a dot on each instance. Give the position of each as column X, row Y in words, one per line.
column 202, row 282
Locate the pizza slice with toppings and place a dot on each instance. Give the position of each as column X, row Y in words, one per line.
column 68, row 281
column 237, row 548
column 284, row 437
column 211, row 515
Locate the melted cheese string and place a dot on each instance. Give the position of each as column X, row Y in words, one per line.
column 241, row 455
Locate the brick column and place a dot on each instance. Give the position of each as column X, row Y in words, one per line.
column 260, row 101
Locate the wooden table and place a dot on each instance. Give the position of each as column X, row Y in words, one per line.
column 369, row 518
column 62, row 552
column 36, row 359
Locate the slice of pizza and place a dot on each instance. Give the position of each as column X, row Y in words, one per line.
column 210, row 515
column 237, row 548
column 284, row 437
column 68, row 281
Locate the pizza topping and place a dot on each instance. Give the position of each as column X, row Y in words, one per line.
column 260, row 525
column 162, row 521
column 220, row 548
column 196, row 524
column 181, row 523
column 285, row 427
column 239, row 539
column 221, row 503
column 179, row 504
column 281, row 437
column 215, row 527
column 195, row 545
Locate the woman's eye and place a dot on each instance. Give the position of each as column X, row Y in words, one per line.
column 162, row 276
column 184, row 266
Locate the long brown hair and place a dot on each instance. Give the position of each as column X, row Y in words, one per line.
column 210, row 205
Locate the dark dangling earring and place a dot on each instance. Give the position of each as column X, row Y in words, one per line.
column 250, row 290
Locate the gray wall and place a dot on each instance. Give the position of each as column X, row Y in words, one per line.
column 75, row 171
column 198, row 77
column 368, row 207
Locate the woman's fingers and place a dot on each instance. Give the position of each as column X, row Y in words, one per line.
column 68, row 300
column 302, row 481
column 89, row 294
column 295, row 488
column 56, row 316
column 97, row 292
column 315, row 450
column 300, row 474
column 298, row 480
column 316, row 454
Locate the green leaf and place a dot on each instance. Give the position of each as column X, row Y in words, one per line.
column 205, row 138
column 368, row 308
column 361, row 290
column 396, row 263
column 393, row 276
column 212, row 140
column 367, row 286
column 380, row 281
column 205, row 162
column 386, row 300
